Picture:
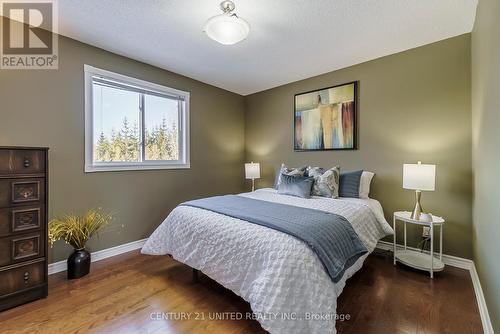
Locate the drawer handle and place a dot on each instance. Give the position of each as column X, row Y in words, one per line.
column 26, row 277
column 27, row 163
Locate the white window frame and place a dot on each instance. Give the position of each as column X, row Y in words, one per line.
column 183, row 128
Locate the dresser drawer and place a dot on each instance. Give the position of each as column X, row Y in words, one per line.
column 22, row 277
column 22, row 162
column 21, row 219
column 21, row 247
column 21, row 191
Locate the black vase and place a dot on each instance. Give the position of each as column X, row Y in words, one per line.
column 78, row 263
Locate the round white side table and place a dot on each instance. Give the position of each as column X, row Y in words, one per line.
column 413, row 258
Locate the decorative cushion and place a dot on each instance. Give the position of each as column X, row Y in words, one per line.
column 299, row 186
column 349, row 184
column 288, row 171
column 326, row 182
column 364, row 185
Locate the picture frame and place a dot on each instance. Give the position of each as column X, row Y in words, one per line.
column 326, row 119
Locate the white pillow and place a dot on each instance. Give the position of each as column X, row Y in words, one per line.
column 364, row 184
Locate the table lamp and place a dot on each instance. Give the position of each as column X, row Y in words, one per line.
column 252, row 172
column 419, row 177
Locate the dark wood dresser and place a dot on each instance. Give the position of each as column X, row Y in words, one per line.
column 23, row 225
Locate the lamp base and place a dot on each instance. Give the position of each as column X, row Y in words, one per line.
column 417, row 211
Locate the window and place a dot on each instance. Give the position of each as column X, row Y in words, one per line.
column 132, row 124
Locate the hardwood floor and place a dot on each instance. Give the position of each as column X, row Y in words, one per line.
column 129, row 293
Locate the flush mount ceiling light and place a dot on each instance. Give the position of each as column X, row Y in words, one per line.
column 227, row 28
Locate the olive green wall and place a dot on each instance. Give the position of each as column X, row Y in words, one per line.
column 486, row 157
column 413, row 105
column 46, row 108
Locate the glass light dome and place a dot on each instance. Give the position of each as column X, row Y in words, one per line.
column 227, row 28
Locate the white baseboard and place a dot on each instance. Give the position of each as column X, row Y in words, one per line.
column 481, row 302
column 57, row 267
column 462, row 263
column 100, row 255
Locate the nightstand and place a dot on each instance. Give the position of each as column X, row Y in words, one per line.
column 416, row 259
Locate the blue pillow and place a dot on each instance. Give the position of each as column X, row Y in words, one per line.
column 301, row 171
column 299, row 186
column 349, row 184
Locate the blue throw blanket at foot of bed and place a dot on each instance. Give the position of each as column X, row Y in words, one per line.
column 329, row 235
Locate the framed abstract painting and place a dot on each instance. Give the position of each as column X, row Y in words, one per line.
column 325, row 119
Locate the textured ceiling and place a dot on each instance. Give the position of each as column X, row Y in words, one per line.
column 289, row 39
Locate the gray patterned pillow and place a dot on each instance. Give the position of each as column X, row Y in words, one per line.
column 326, row 183
column 301, row 171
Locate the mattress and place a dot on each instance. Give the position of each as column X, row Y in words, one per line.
column 280, row 276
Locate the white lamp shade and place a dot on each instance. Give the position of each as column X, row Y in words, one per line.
column 252, row 170
column 227, row 29
column 419, row 177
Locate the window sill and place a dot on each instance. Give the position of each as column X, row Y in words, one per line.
column 94, row 169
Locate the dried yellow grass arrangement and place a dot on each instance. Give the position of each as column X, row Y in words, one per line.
column 77, row 230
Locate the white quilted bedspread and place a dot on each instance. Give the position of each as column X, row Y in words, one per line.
column 279, row 275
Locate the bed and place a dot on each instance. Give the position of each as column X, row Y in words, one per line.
column 280, row 276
